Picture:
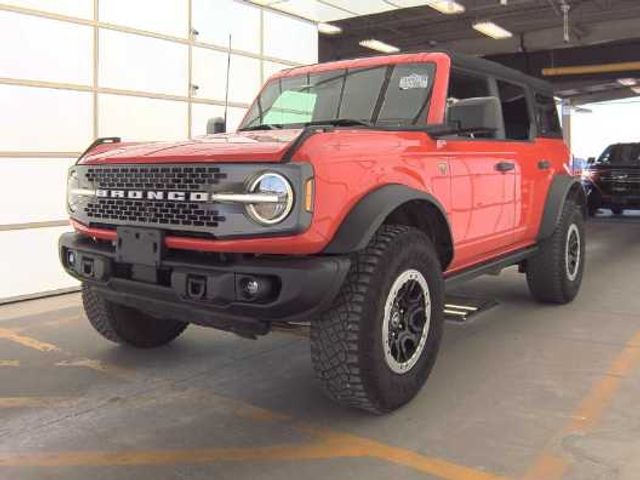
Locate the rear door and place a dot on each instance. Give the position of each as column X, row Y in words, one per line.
column 518, row 138
column 533, row 132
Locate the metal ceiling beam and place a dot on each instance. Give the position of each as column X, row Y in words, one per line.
column 592, row 69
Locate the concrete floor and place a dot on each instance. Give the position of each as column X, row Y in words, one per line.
column 523, row 391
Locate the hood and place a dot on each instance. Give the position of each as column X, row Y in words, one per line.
column 254, row 146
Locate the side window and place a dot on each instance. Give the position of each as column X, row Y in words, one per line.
column 547, row 116
column 407, row 94
column 463, row 85
column 517, row 122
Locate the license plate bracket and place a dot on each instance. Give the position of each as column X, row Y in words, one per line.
column 140, row 246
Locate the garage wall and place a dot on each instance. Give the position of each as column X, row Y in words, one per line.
column 74, row 70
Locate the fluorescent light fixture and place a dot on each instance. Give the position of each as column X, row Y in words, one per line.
column 448, row 7
column 329, row 29
column 627, row 82
column 379, row 46
column 492, row 30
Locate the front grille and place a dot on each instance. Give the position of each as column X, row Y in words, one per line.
column 621, row 176
column 153, row 212
column 182, row 178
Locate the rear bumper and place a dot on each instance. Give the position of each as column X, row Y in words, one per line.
column 201, row 288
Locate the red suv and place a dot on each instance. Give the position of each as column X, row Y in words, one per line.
column 351, row 195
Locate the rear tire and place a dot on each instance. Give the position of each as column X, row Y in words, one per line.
column 375, row 347
column 125, row 325
column 554, row 274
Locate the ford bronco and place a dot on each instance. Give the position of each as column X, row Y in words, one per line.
column 350, row 196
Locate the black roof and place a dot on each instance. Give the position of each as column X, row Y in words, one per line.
column 488, row 67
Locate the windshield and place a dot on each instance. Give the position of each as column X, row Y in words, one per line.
column 620, row 154
column 389, row 94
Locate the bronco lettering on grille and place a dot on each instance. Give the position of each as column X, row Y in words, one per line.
column 154, row 195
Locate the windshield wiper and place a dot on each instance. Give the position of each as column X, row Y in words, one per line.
column 340, row 122
column 262, row 126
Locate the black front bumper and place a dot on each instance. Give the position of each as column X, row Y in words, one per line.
column 601, row 195
column 207, row 289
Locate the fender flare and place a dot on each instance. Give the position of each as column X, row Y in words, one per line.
column 562, row 187
column 364, row 219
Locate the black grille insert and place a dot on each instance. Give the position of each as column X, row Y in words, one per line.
column 182, row 178
column 153, row 212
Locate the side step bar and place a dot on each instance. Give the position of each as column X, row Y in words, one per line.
column 492, row 266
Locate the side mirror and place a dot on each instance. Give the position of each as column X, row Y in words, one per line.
column 216, row 125
column 477, row 114
column 591, row 160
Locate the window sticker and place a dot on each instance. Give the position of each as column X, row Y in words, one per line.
column 415, row 80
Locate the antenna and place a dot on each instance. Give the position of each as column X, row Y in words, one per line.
column 226, row 90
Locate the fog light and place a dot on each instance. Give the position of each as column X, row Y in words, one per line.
column 71, row 258
column 254, row 288
column 251, row 287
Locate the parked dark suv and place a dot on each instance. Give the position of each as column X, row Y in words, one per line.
column 613, row 179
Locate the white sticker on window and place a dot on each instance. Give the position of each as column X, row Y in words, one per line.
column 415, row 80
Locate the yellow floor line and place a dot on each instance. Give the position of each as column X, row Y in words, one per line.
column 15, row 335
column 26, row 341
column 552, row 464
column 432, row 465
column 95, row 365
column 331, row 445
column 9, row 363
column 25, row 402
column 335, row 447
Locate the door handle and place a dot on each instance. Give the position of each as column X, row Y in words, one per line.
column 504, row 166
column 544, row 164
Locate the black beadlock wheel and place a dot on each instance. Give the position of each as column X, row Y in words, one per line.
column 375, row 347
column 125, row 325
column 554, row 273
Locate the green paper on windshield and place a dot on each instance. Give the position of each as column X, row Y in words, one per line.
column 291, row 107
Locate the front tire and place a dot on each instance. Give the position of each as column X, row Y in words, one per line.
column 125, row 325
column 554, row 274
column 375, row 347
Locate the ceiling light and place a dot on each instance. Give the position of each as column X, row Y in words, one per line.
column 379, row 46
column 627, row 82
column 329, row 29
column 448, row 7
column 492, row 30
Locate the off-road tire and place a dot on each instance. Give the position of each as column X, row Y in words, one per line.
column 547, row 273
column 346, row 341
column 126, row 325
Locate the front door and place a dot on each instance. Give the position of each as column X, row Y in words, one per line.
column 483, row 182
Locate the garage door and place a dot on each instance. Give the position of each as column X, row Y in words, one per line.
column 74, row 70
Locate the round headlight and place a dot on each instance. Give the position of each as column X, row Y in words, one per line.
column 278, row 198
